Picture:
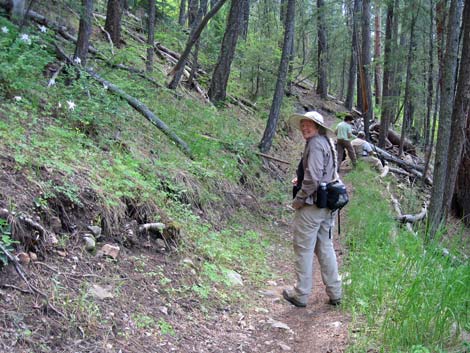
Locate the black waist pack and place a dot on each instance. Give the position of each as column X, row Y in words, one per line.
column 337, row 195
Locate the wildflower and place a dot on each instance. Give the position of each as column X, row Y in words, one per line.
column 59, row 105
column 5, row 29
column 71, row 105
column 25, row 38
column 105, row 86
column 77, row 60
column 17, row 98
column 43, row 29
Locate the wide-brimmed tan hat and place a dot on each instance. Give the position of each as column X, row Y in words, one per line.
column 316, row 117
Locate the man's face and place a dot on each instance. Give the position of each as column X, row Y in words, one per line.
column 308, row 128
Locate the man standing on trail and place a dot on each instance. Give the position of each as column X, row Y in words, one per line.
column 312, row 226
column 344, row 133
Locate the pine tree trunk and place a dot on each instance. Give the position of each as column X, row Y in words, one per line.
column 245, row 19
column 113, row 21
column 322, row 87
column 387, row 79
column 17, row 11
column 270, row 131
column 409, row 92
column 461, row 199
column 193, row 38
column 218, row 87
column 436, row 208
column 378, row 54
column 368, row 110
column 182, row 13
column 430, row 83
column 460, row 113
column 151, row 36
column 84, row 31
column 353, row 60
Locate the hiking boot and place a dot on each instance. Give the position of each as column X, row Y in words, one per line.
column 334, row 302
column 292, row 299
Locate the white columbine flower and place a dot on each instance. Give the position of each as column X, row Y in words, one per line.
column 77, row 60
column 5, row 29
column 71, row 105
column 43, row 29
column 17, row 98
column 25, row 38
column 105, row 86
column 59, row 105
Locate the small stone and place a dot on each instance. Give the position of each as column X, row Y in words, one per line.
column 23, row 258
column 95, row 230
column 163, row 310
column 109, row 250
column 33, row 256
column 284, row 346
column 188, row 261
column 53, row 239
column 262, row 310
column 269, row 293
column 160, row 244
column 336, row 324
column 278, row 324
column 101, row 292
column 61, row 253
column 272, row 283
column 90, row 243
column 234, row 278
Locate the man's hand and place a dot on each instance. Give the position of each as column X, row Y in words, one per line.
column 294, row 181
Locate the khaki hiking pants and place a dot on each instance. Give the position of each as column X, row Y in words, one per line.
column 312, row 235
column 345, row 145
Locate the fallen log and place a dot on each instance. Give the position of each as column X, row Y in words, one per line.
column 133, row 102
column 408, row 218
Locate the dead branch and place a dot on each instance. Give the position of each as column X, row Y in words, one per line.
column 108, row 36
column 32, row 289
column 133, row 102
column 158, row 227
column 4, row 213
column 55, row 75
column 396, row 206
column 408, row 218
column 271, row 157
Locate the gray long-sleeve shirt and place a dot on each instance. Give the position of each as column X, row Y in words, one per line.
column 319, row 166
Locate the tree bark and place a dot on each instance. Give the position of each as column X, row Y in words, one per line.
column 409, row 92
column 177, row 71
column 387, row 79
column 245, row 19
column 113, row 21
column 218, row 86
column 460, row 113
column 436, row 210
column 151, row 36
column 17, row 11
column 84, row 31
column 353, row 60
column 270, row 131
column 461, row 199
column 368, row 110
column 322, row 87
column 378, row 54
column 182, row 13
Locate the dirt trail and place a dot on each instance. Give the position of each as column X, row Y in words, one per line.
column 317, row 328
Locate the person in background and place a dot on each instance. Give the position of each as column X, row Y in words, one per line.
column 363, row 150
column 312, row 225
column 344, row 133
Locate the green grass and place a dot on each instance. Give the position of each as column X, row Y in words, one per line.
column 404, row 295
